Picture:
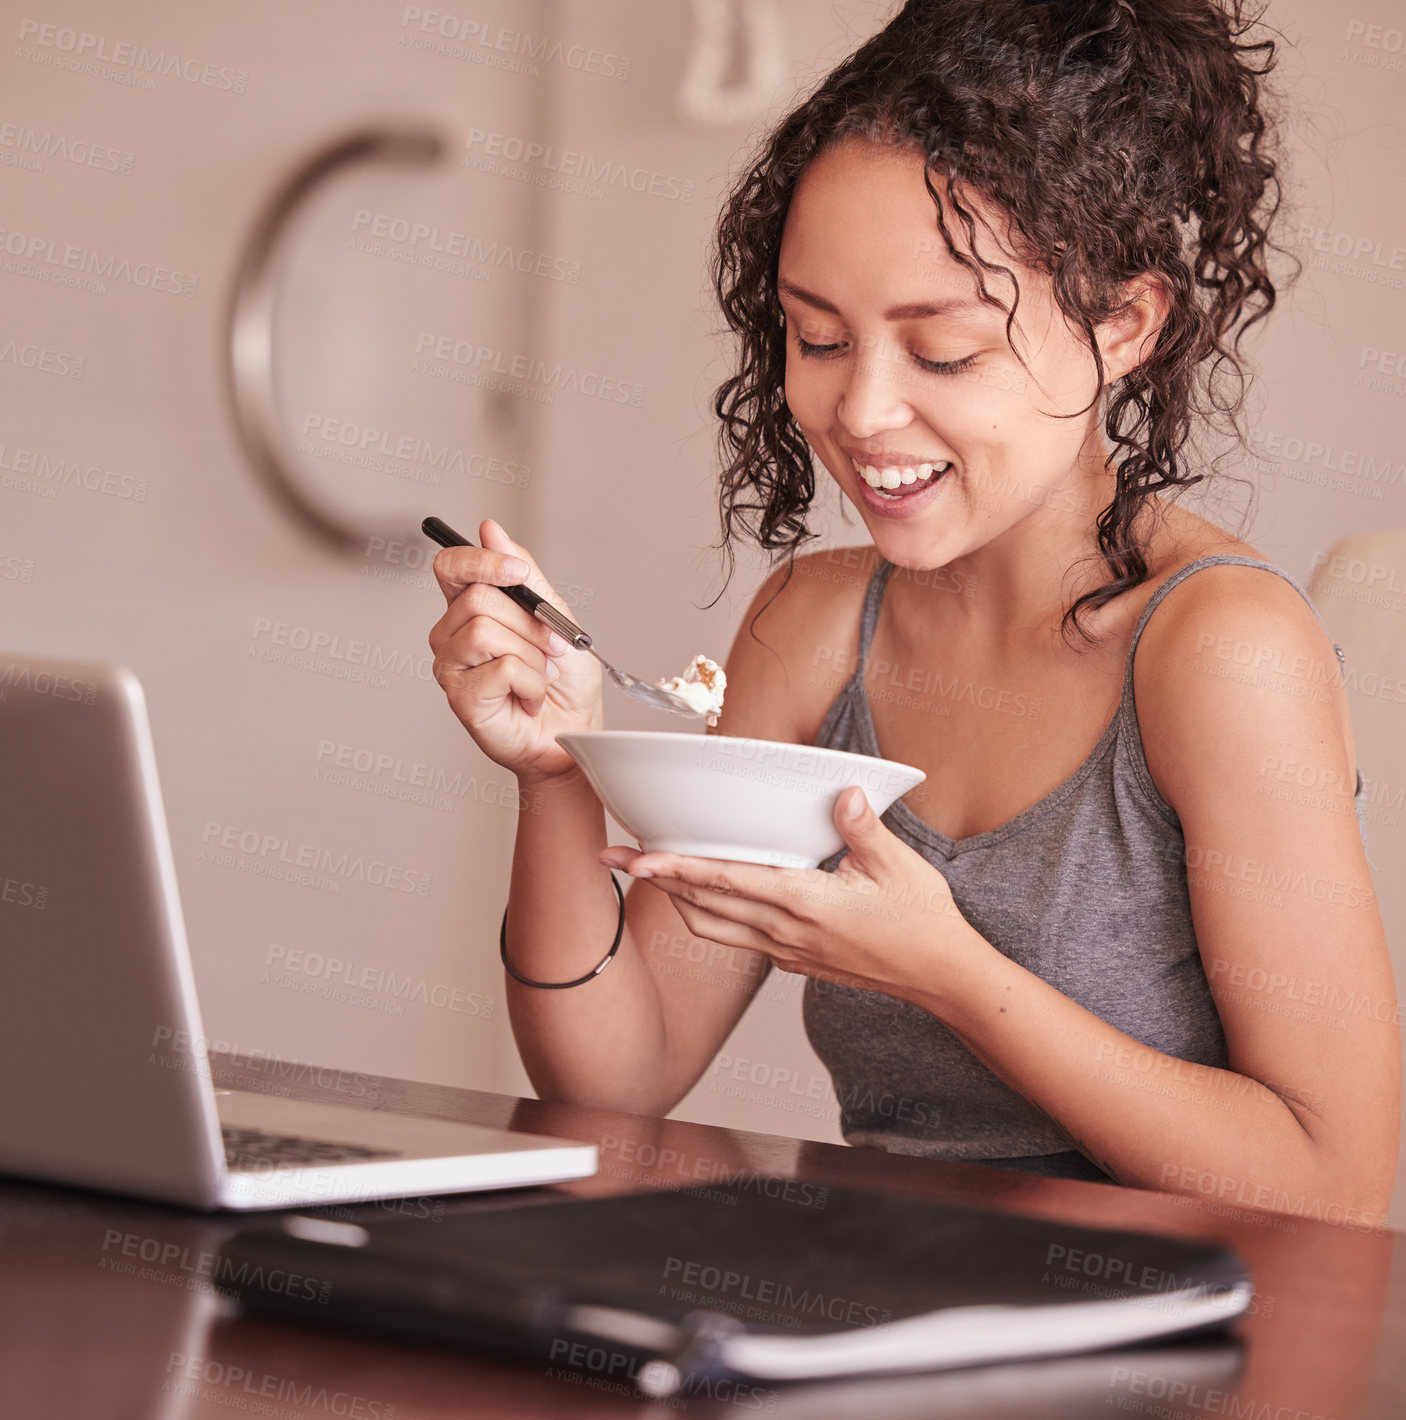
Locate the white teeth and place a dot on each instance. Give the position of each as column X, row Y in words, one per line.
column 897, row 477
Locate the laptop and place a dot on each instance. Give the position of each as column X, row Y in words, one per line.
column 108, row 1081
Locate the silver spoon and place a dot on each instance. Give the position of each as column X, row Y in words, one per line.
column 563, row 625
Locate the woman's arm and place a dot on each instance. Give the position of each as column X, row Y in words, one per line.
column 639, row 1036
column 1246, row 735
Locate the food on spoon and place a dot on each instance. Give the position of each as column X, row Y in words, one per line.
column 701, row 685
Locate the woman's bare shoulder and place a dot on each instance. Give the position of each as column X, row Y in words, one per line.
column 1234, row 610
column 796, row 645
column 1217, row 597
column 1183, row 537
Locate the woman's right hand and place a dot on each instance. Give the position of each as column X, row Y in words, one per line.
column 494, row 660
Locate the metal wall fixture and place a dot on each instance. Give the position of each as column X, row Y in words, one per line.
column 753, row 28
column 249, row 353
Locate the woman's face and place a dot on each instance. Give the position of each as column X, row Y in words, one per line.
column 894, row 364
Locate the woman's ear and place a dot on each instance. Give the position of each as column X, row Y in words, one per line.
column 1127, row 337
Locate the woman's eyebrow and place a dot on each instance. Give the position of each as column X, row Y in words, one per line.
column 912, row 310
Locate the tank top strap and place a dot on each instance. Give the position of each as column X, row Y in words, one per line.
column 1215, row 559
column 873, row 597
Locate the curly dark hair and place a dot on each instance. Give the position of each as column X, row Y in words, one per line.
column 1121, row 137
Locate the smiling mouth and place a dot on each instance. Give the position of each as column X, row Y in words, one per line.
column 895, row 481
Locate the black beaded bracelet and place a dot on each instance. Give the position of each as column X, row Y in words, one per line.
column 580, row 980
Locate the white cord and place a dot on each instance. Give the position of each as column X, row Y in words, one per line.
column 702, row 97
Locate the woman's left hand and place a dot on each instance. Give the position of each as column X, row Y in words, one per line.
column 884, row 920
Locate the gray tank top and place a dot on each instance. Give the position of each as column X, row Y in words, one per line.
column 1125, row 950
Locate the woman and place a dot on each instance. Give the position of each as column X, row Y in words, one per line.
column 998, row 233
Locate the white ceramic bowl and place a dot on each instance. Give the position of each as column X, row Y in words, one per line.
column 720, row 796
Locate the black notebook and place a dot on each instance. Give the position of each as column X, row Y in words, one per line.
column 773, row 1283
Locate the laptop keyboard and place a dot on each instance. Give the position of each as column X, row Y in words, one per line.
column 248, row 1149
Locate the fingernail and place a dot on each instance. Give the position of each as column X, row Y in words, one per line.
column 553, row 670
column 856, row 804
column 557, row 643
column 515, row 567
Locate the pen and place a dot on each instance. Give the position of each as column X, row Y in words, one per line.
column 696, row 1355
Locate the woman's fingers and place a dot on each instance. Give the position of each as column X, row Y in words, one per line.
column 458, row 567
column 491, row 603
column 724, row 930
column 500, row 562
column 482, row 639
column 480, row 692
column 725, row 903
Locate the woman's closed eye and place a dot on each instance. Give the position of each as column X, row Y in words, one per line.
column 816, row 350
column 945, row 367
column 833, row 349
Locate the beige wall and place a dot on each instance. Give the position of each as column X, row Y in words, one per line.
column 191, row 584
column 195, row 583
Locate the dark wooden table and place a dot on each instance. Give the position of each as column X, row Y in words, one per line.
column 106, row 1310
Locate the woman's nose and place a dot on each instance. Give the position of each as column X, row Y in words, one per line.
column 874, row 397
